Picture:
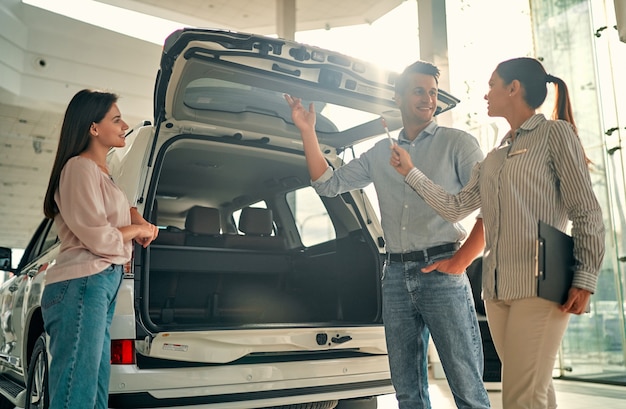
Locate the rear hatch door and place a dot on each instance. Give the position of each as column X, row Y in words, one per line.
column 207, row 74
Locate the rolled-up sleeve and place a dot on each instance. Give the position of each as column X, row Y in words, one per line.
column 353, row 175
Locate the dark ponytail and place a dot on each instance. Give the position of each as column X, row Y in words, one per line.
column 562, row 106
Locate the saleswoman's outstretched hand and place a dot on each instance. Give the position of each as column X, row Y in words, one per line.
column 401, row 160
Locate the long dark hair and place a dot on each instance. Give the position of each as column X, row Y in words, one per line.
column 85, row 108
column 533, row 77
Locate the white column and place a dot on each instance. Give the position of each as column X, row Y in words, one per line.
column 286, row 19
column 433, row 40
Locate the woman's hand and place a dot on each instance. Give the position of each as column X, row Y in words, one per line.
column 143, row 237
column 145, row 233
column 155, row 231
column 577, row 300
column 401, row 160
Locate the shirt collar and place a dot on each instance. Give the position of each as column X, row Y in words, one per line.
column 532, row 122
column 429, row 130
column 528, row 125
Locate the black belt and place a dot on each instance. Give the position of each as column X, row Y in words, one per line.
column 422, row 255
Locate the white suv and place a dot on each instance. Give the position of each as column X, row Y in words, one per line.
column 258, row 292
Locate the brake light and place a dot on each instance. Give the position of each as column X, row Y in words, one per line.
column 122, row 351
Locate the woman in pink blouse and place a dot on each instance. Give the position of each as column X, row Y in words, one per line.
column 96, row 227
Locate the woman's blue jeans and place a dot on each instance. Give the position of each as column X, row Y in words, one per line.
column 77, row 316
column 415, row 303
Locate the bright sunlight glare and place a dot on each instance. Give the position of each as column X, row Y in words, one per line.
column 367, row 42
column 127, row 22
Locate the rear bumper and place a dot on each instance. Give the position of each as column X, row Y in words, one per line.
column 245, row 386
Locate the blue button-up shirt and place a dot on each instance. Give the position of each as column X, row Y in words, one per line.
column 445, row 155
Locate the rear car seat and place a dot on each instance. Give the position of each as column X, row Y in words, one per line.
column 257, row 225
column 202, row 227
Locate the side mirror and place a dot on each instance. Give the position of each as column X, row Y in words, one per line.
column 6, row 262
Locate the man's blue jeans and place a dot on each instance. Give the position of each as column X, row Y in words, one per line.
column 77, row 315
column 415, row 303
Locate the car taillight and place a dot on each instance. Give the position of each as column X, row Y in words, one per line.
column 122, row 351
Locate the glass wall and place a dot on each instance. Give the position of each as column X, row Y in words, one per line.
column 578, row 37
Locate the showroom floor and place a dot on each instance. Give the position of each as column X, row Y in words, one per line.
column 570, row 395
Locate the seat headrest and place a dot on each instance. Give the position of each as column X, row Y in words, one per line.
column 203, row 220
column 256, row 221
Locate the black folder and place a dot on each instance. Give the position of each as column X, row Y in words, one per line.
column 555, row 263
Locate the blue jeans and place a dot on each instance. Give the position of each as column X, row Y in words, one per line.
column 415, row 303
column 77, row 316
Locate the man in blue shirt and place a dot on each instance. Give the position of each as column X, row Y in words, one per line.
column 425, row 290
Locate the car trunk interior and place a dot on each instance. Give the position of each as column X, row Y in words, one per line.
column 192, row 286
column 201, row 275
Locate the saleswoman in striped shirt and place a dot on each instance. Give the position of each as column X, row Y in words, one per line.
column 538, row 172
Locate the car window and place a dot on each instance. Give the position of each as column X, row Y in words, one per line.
column 50, row 238
column 34, row 248
column 312, row 220
column 225, row 96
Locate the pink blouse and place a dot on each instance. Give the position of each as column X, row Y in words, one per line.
column 91, row 207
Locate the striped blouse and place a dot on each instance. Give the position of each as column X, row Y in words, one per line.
column 538, row 174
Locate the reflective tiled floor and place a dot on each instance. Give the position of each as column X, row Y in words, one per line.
column 570, row 395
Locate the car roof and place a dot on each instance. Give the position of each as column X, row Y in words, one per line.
column 237, row 81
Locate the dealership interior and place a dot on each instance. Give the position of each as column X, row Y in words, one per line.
column 50, row 52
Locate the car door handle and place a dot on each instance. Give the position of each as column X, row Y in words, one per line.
column 278, row 68
column 341, row 340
